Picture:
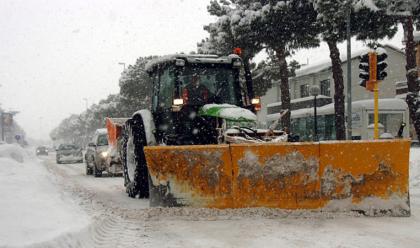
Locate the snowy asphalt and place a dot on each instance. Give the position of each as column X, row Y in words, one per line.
column 119, row 221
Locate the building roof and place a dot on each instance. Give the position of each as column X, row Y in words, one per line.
column 384, row 104
column 299, row 100
column 326, row 64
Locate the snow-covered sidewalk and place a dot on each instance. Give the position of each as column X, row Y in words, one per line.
column 33, row 210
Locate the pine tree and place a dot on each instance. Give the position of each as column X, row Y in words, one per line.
column 135, row 87
column 283, row 27
column 268, row 72
column 367, row 23
column 408, row 13
column 225, row 34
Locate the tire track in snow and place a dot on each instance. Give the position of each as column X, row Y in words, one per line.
column 112, row 226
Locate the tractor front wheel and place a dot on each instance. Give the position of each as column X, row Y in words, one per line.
column 135, row 167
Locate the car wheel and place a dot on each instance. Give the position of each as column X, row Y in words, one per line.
column 88, row 169
column 96, row 172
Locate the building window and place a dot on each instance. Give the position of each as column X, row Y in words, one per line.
column 325, row 87
column 304, row 90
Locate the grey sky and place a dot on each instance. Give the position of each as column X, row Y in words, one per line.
column 54, row 53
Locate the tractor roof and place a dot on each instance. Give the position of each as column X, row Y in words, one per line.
column 192, row 58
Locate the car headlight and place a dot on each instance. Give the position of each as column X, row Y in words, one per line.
column 104, row 154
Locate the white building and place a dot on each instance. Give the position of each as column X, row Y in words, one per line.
column 321, row 74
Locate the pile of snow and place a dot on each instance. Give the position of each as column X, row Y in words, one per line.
column 415, row 168
column 32, row 208
column 13, row 152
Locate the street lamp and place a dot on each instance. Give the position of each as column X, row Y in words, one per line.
column 86, row 103
column 314, row 90
column 122, row 63
column 86, row 124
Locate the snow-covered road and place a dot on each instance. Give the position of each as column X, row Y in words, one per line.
column 115, row 220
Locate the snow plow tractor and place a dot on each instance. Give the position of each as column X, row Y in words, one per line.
column 198, row 146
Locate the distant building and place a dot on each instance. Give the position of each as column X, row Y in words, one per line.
column 321, row 74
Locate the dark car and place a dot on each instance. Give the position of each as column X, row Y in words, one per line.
column 41, row 150
column 69, row 153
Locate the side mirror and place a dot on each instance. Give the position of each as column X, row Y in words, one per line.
column 91, row 144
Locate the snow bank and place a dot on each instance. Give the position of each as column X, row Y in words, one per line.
column 14, row 152
column 415, row 168
column 32, row 208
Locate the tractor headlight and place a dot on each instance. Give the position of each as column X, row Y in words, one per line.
column 104, row 154
column 257, row 103
column 178, row 101
column 177, row 104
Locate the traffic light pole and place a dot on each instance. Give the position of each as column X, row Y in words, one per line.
column 375, row 113
column 373, row 60
column 349, row 113
column 372, row 71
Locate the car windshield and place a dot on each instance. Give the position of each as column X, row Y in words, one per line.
column 103, row 140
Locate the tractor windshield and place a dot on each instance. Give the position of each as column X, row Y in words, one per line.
column 208, row 84
column 199, row 84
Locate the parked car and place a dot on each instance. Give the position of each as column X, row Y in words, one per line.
column 69, row 153
column 41, row 150
column 99, row 156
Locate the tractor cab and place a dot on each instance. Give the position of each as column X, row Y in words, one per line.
column 182, row 84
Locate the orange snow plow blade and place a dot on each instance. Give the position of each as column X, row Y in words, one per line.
column 365, row 176
column 114, row 127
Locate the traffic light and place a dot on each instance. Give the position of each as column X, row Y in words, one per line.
column 381, row 66
column 372, row 68
column 364, row 67
column 367, row 84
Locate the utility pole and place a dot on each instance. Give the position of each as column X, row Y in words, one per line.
column 349, row 101
column 86, row 103
column 86, row 124
column 122, row 63
column 2, row 125
column 315, row 90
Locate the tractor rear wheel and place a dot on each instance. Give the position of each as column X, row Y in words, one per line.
column 135, row 167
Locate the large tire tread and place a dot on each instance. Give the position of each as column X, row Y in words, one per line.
column 140, row 185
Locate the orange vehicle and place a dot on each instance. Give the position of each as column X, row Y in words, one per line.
column 201, row 149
